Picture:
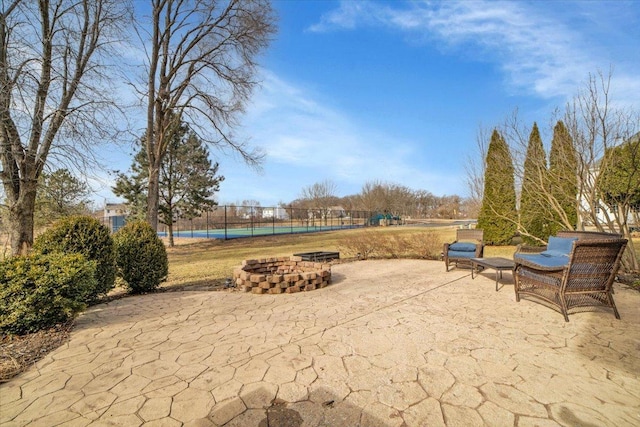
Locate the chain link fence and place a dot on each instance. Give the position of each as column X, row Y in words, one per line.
column 232, row 221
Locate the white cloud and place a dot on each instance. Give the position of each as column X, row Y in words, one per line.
column 307, row 141
column 541, row 47
column 347, row 16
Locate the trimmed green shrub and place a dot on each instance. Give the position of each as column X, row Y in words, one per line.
column 84, row 235
column 141, row 257
column 40, row 291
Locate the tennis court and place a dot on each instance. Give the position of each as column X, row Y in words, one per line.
column 234, row 233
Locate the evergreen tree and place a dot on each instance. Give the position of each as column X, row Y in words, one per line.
column 563, row 180
column 533, row 211
column 498, row 213
column 133, row 186
column 619, row 189
column 619, row 183
column 60, row 194
column 188, row 180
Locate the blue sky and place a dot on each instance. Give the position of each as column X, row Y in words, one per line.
column 396, row 91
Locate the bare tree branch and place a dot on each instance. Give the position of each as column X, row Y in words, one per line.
column 200, row 67
column 52, row 97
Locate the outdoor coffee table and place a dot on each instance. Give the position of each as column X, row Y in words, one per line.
column 497, row 263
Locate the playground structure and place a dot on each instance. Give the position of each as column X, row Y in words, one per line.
column 384, row 219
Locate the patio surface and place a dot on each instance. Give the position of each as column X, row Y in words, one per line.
column 389, row 343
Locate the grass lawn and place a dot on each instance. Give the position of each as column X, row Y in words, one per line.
column 209, row 261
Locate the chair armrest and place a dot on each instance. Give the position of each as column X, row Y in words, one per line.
column 446, row 246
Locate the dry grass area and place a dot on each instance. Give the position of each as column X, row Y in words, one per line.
column 209, row 262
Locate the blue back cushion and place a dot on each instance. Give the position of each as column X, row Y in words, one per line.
column 462, row 247
column 559, row 246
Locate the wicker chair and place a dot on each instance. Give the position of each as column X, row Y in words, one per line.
column 584, row 280
column 468, row 244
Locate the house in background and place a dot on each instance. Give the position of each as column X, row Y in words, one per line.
column 336, row 212
column 114, row 215
column 275, row 212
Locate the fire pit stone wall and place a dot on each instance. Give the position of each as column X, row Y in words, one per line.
column 281, row 275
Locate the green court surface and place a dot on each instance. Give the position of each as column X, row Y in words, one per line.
column 233, row 233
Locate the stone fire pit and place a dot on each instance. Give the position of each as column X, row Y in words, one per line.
column 281, row 275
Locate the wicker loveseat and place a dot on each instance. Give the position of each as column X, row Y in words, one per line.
column 575, row 272
column 468, row 244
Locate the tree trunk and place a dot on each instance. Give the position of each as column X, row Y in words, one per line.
column 153, row 197
column 170, row 233
column 21, row 219
column 629, row 260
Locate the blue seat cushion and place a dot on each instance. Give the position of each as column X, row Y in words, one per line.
column 551, row 252
column 462, row 247
column 560, row 244
column 461, row 254
column 544, row 261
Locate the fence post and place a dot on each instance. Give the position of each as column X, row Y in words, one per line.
column 207, row 223
column 225, row 222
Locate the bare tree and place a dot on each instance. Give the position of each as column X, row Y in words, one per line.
column 404, row 202
column 475, row 167
column 321, row 196
column 201, row 62
column 396, row 199
column 369, row 199
column 425, row 204
column 54, row 94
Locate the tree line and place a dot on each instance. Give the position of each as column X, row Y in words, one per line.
column 384, row 197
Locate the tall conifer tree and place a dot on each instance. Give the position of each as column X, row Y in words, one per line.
column 534, row 213
column 563, row 179
column 498, row 214
column 188, row 180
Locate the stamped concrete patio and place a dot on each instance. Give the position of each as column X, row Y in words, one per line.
column 390, row 343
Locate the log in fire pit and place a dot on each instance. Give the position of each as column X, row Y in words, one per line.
column 281, row 275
